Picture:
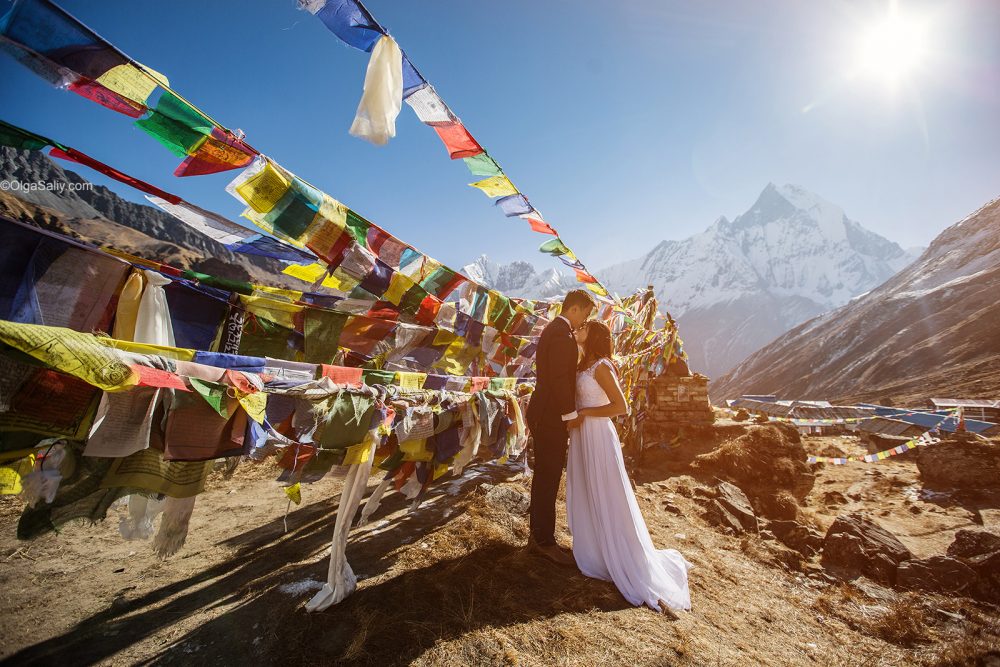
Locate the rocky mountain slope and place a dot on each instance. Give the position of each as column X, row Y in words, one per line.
column 930, row 329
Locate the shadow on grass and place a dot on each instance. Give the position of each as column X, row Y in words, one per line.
column 389, row 622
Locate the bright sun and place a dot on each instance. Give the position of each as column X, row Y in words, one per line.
column 892, row 49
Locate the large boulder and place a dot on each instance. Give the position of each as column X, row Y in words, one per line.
column 969, row 543
column 855, row 546
column 969, row 464
column 768, row 463
column 938, row 574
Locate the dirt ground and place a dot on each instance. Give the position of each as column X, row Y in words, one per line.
column 450, row 584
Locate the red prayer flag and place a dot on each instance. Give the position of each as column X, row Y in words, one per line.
column 479, row 383
column 343, row 374
column 541, row 226
column 457, row 140
column 95, row 92
column 584, row 277
column 81, row 158
column 429, row 308
column 154, row 377
column 218, row 152
column 296, row 457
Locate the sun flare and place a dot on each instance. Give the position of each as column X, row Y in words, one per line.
column 892, row 49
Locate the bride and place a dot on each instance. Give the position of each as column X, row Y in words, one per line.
column 610, row 538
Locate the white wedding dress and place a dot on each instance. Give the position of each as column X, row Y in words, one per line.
column 610, row 538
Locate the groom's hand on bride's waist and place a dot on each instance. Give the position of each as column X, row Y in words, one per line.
column 574, row 423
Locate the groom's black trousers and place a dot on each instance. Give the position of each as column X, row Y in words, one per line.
column 550, row 445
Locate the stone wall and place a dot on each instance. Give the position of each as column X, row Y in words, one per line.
column 677, row 401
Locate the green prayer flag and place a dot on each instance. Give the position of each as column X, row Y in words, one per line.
column 346, row 419
column 482, row 165
column 15, row 137
column 322, row 330
column 213, row 393
column 176, row 124
column 357, row 227
column 554, row 247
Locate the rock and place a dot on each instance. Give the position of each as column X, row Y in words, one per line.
column 938, row 574
column 855, row 545
column 768, row 536
column 987, row 569
column 804, row 539
column 969, row 466
column 969, row 543
column 670, row 507
column 718, row 515
column 736, row 502
column 834, row 498
column 741, row 415
column 506, row 497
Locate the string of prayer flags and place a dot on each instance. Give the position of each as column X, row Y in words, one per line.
column 355, row 25
column 928, row 438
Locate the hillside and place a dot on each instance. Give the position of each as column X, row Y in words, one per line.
column 929, row 330
column 451, row 584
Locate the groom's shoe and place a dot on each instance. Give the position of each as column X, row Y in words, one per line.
column 553, row 552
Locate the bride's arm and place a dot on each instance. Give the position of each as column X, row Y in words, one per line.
column 609, row 383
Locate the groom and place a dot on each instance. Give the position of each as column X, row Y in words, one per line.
column 551, row 413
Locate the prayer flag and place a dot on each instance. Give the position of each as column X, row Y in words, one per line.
column 15, row 137
column 482, row 165
column 294, row 493
column 495, row 186
column 260, row 186
column 554, row 247
column 66, row 153
column 176, row 124
column 349, row 21
column 375, row 120
column 457, row 140
column 540, row 226
column 216, row 153
column 210, row 224
column 429, row 107
column 514, row 205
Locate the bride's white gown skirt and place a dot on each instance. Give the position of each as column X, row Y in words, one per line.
column 610, row 538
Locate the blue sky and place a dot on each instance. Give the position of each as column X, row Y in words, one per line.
column 625, row 123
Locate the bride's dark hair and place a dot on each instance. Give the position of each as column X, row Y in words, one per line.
column 598, row 344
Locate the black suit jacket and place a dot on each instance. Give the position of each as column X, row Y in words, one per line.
column 555, row 378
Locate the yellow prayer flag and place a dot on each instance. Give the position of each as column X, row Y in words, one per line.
column 597, row 289
column 279, row 312
column 358, row 453
column 263, row 189
column 440, row 469
column 130, row 82
column 398, row 285
column 410, row 380
column 177, row 353
column 255, row 404
column 287, row 294
column 294, row 493
column 78, row 354
column 415, row 450
column 495, row 186
column 339, row 280
column 11, row 474
column 309, row 273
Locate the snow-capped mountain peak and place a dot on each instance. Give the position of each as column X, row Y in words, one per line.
column 790, row 256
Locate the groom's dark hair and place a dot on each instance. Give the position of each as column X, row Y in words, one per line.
column 578, row 297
